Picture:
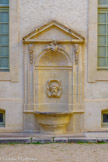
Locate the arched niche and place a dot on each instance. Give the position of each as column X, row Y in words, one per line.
column 53, row 57
column 53, row 65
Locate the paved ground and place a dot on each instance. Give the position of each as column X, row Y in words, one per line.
column 54, row 152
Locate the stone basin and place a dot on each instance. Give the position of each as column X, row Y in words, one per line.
column 53, row 122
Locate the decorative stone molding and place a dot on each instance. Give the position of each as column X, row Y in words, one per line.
column 54, row 89
column 52, row 49
column 76, row 38
column 30, row 48
column 52, row 46
column 76, row 52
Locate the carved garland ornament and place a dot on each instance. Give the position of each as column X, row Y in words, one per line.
column 54, row 89
column 53, row 46
column 76, row 52
column 30, row 48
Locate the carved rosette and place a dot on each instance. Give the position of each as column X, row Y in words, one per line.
column 54, row 89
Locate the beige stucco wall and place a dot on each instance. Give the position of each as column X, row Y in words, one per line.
column 96, row 81
column 35, row 13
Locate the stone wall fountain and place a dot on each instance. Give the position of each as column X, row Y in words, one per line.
column 50, row 78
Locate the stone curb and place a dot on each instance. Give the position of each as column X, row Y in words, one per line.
column 42, row 140
column 70, row 140
column 61, row 140
column 34, row 140
column 15, row 140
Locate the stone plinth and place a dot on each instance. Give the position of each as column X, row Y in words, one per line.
column 53, row 122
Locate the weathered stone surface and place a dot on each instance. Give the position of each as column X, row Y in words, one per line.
column 15, row 140
column 42, row 140
column 79, row 140
column 61, row 140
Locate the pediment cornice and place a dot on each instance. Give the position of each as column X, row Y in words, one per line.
column 71, row 36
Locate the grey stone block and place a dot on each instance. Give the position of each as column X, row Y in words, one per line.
column 14, row 140
column 61, row 140
column 42, row 140
column 76, row 140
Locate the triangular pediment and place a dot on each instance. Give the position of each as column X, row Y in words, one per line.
column 53, row 31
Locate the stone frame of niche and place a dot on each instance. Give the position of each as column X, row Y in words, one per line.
column 94, row 74
column 13, row 74
column 32, row 40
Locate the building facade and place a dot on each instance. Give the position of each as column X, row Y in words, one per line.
column 53, row 63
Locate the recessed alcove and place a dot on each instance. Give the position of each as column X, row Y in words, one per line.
column 53, row 58
column 52, row 66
